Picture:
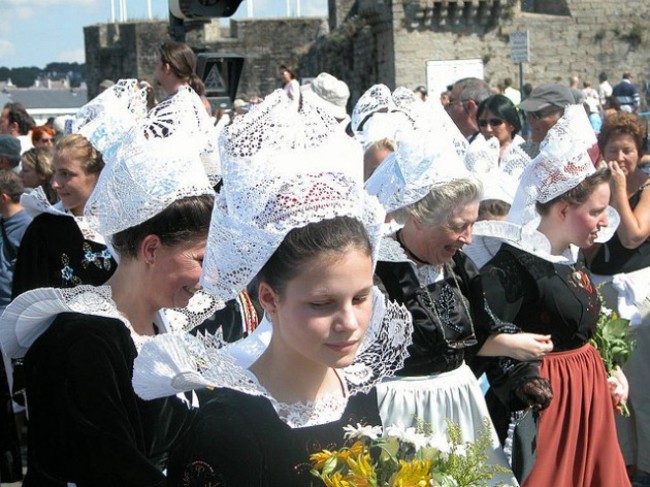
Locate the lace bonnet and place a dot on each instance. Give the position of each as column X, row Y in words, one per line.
column 282, row 169
column 149, row 163
column 499, row 178
column 426, row 155
column 562, row 164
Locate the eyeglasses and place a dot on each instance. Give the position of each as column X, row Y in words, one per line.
column 44, row 140
column 539, row 114
column 454, row 102
column 493, row 122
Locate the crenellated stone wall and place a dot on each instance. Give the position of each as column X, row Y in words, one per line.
column 389, row 41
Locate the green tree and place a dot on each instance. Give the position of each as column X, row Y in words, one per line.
column 24, row 77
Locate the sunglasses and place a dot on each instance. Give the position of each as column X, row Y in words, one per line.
column 539, row 114
column 493, row 122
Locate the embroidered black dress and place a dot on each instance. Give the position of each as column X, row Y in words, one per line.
column 238, row 440
column 54, row 253
column 577, row 443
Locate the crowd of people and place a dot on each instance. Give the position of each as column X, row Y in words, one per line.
column 198, row 302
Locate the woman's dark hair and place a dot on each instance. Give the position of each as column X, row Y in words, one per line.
column 185, row 220
column 623, row 123
column 182, row 62
column 503, row 108
column 579, row 194
column 332, row 236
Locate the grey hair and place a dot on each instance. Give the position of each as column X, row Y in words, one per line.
column 438, row 204
column 473, row 89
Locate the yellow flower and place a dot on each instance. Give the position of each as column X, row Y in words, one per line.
column 361, row 466
column 413, row 474
column 318, row 459
column 335, row 480
column 355, row 450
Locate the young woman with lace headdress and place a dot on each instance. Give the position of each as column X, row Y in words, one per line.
column 292, row 217
column 538, row 281
column 152, row 203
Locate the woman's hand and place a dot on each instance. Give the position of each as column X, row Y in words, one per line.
column 618, row 179
column 619, row 389
column 519, row 346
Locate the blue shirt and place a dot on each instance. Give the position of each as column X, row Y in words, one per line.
column 14, row 229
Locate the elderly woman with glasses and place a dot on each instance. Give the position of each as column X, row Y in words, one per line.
column 497, row 117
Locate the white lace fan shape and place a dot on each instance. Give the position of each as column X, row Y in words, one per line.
column 282, row 169
column 106, row 119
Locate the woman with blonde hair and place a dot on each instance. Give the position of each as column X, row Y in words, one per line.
column 37, row 170
column 59, row 248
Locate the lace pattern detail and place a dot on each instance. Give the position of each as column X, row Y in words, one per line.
column 377, row 98
column 171, row 364
column 143, row 179
column 562, row 163
column 31, row 313
column 270, row 190
column 106, row 118
column 424, row 157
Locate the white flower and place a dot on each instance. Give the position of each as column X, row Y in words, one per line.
column 360, row 431
column 407, row 435
column 606, row 311
column 439, row 442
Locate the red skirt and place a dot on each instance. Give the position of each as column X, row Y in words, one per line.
column 577, row 444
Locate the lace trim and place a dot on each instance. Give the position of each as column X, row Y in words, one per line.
column 31, row 314
column 171, row 364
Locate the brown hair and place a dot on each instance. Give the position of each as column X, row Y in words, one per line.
column 83, row 151
column 11, row 184
column 182, row 61
column 41, row 161
column 623, row 123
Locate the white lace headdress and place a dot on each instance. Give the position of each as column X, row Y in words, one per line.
column 562, row 164
column 106, row 119
column 424, row 157
column 500, row 178
column 154, row 163
column 377, row 98
column 282, row 169
column 183, row 114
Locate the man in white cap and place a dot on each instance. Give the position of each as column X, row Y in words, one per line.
column 331, row 94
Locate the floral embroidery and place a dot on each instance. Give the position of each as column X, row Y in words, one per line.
column 67, row 272
column 102, row 260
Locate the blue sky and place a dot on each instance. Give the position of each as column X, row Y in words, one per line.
column 36, row 33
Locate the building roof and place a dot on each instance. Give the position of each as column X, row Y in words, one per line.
column 41, row 98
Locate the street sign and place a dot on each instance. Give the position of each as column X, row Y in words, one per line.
column 519, row 46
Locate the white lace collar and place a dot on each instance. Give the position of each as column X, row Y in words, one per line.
column 36, row 202
column 488, row 235
column 171, row 364
column 29, row 315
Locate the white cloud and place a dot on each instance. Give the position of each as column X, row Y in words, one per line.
column 72, row 56
column 7, row 48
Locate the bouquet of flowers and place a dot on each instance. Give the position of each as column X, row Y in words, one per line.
column 612, row 340
column 406, row 457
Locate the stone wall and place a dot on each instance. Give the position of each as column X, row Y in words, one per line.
column 581, row 37
column 390, row 41
column 130, row 50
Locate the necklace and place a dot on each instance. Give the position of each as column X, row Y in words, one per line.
column 464, row 342
column 417, row 259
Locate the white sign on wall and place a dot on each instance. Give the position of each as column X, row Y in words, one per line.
column 519, row 47
column 441, row 74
